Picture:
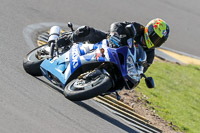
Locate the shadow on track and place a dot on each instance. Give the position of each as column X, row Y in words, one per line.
column 94, row 111
column 106, row 117
column 50, row 85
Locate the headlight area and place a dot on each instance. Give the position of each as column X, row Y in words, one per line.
column 132, row 69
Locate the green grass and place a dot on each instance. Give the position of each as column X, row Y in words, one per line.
column 176, row 97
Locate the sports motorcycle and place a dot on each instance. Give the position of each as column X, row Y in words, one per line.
column 85, row 70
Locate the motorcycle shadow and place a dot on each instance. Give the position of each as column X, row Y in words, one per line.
column 50, row 85
column 89, row 108
column 105, row 117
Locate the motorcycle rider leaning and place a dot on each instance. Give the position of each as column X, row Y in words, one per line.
column 153, row 35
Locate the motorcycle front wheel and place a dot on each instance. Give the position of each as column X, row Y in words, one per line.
column 33, row 59
column 86, row 88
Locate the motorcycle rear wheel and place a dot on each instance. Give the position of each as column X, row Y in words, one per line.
column 76, row 91
column 31, row 63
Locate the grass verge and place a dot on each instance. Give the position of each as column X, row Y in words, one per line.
column 176, row 97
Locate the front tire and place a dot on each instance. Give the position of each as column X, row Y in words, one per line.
column 31, row 63
column 76, row 92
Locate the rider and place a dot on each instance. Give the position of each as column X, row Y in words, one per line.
column 153, row 35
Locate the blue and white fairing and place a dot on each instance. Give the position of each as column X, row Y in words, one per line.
column 124, row 58
column 128, row 62
column 63, row 66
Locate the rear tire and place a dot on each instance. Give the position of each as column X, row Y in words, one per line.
column 31, row 64
column 102, row 85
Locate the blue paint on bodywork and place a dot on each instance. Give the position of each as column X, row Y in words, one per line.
column 52, row 67
column 97, row 45
column 88, row 57
column 114, row 57
column 60, row 67
column 82, row 52
column 74, row 57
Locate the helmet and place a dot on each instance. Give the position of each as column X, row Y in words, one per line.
column 156, row 33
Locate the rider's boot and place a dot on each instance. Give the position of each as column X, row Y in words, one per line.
column 86, row 33
column 80, row 35
column 64, row 41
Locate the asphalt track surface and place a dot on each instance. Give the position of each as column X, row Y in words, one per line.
column 29, row 104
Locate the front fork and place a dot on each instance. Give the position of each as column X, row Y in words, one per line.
column 53, row 46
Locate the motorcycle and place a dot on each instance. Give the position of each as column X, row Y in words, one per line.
column 86, row 70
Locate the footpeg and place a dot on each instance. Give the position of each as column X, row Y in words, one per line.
column 118, row 96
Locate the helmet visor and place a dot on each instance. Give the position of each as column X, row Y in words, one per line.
column 155, row 39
